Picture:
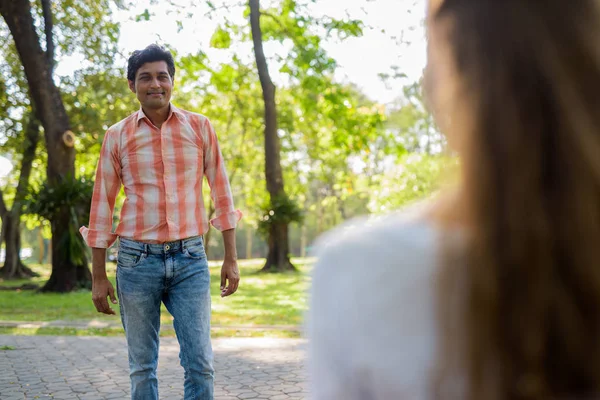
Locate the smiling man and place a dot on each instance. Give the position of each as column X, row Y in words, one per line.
column 160, row 154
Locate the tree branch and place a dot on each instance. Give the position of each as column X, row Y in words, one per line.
column 48, row 26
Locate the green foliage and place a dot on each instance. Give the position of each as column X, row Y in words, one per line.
column 412, row 125
column 221, row 39
column 416, row 177
column 73, row 196
column 281, row 210
column 291, row 21
column 86, row 27
column 344, row 29
column 50, row 199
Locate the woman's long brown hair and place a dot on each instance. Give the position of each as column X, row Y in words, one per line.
column 519, row 304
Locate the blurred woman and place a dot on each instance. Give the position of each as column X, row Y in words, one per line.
column 493, row 292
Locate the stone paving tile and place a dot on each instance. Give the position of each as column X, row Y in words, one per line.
column 96, row 368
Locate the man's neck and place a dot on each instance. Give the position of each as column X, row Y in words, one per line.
column 157, row 116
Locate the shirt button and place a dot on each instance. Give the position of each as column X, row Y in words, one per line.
column 167, row 247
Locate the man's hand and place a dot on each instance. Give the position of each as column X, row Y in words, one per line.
column 230, row 277
column 101, row 289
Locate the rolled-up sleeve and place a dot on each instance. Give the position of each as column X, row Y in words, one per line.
column 226, row 216
column 106, row 188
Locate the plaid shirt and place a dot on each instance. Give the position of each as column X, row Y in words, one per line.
column 162, row 171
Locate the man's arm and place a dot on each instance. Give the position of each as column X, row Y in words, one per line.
column 230, row 275
column 106, row 188
column 99, row 235
column 101, row 286
column 226, row 216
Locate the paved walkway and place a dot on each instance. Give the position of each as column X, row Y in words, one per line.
column 95, row 368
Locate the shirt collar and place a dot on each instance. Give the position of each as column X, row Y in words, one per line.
column 173, row 110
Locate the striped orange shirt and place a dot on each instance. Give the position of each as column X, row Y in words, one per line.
column 162, row 172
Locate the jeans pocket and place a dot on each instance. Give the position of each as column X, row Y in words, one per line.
column 129, row 258
column 194, row 250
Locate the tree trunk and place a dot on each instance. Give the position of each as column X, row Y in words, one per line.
column 69, row 276
column 13, row 267
column 50, row 110
column 10, row 270
column 278, row 256
column 278, row 259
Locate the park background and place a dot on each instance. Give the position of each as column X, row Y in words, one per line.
column 351, row 137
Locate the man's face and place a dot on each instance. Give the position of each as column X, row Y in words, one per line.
column 153, row 85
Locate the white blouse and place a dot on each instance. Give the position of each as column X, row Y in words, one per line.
column 371, row 324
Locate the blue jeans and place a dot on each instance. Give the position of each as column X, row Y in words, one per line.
column 176, row 274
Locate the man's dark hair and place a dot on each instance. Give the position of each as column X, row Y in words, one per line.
column 151, row 53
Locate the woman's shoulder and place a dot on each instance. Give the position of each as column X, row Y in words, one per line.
column 400, row 233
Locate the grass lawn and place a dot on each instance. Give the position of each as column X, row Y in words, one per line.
column 262, row 299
